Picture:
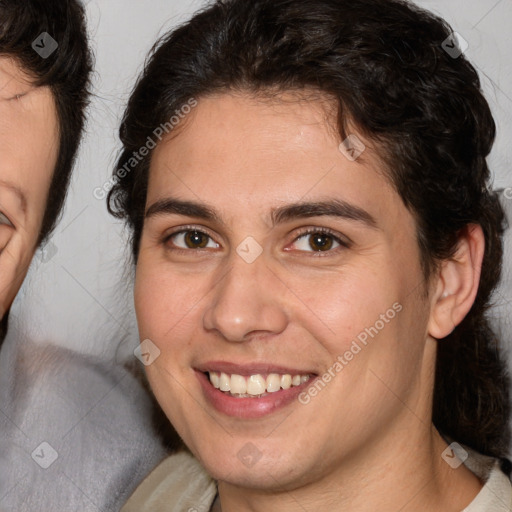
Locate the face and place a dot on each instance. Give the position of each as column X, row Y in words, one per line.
column 275, row 268
column 28, row 149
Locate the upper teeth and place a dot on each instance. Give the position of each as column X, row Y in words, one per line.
column 255, row 384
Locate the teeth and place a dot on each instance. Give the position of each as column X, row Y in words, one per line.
column 225, row 382
column 286, row 381
column 238, row 384
column 273, row 383
column 255, row 385
column 215, row 379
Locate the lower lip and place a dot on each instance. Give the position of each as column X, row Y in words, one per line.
column 249, row 407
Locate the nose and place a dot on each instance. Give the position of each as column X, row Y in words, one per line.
column 246, row 302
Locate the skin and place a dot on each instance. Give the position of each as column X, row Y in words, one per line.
column 366, row 441
column 28, row 149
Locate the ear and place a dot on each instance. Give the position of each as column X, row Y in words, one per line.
column 457, row 283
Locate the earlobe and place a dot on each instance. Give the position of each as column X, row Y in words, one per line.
column 457, row 283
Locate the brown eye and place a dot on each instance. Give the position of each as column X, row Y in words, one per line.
column 195, row 239
column 190, row 239
column 320, row 241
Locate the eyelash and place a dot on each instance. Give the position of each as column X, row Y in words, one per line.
column 344, row 244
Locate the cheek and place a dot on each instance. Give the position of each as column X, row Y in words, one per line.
column 166, row 303
column 154, row 301
column 370, row 324
column 339, row 306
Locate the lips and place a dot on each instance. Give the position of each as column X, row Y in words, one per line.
column 251, row 391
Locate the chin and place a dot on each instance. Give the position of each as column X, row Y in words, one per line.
column 240, row 463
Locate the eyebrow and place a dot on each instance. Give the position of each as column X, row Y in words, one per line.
column 278, row 215
column 17, row 191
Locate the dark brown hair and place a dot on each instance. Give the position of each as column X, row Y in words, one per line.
column 66, row 71
column 423, row 107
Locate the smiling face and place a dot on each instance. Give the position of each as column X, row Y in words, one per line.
column 28, row 152
column 271, row 266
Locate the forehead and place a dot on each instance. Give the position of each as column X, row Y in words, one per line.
column 23, row 105
column 13, row 79
column 239, row 151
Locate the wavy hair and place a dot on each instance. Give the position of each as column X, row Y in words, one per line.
column 384, row 63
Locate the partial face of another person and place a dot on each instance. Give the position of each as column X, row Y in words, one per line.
column 269, row 258
column 28, row 153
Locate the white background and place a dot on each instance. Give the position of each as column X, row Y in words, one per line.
column 78, row 293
